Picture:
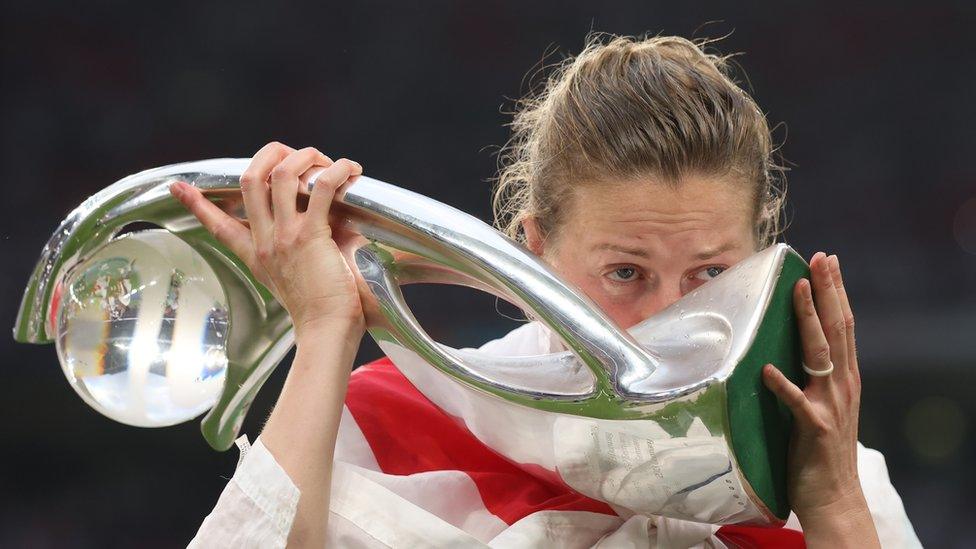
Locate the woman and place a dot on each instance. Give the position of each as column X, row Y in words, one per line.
column 640, row 172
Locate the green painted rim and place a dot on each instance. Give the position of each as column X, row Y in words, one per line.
column 760, row 425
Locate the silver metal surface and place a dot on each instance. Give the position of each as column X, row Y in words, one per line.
column 638, row 419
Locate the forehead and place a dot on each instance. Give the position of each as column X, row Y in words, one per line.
column 698, row 211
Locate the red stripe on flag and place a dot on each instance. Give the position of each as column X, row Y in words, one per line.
column 410, row 434
column 750, row 537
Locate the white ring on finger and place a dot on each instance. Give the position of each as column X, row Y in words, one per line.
column 818, row 373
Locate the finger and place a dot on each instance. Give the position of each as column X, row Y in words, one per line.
column 816, row 350
column 324, row 188
column 853, row 368
column 311, row 174
column 285, row 183
column 788, row 393
column 848, row 315
column 256, row 192
column 831, row 317
column 225, row 228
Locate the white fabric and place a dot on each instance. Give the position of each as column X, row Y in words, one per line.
column 370, row 509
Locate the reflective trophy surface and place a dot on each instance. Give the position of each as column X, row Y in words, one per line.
column 158, row 325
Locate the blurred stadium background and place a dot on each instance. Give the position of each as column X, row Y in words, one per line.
column 878, row 101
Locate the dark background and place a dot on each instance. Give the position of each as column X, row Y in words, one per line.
column 877, row 100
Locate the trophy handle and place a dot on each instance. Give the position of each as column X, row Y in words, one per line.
column 470, row 252
column 554, row 377
column 434, row 242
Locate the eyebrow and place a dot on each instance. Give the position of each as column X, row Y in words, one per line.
column 621, row 249
column 712, row 252
column 702, row 255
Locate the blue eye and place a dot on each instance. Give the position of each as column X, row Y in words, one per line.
column 623, row 274
column 711, row 272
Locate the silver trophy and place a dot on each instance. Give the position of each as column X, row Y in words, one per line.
column 156, row 326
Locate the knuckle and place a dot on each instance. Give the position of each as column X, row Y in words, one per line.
column 822, row 353
column 264, row 253
column 329, row 179
column 280, row 172
column 795, row 398
column 849, row 322
column 248, row 180
column 280, row 242
column 272, row 147
column 285, row 238
column 825, row 280
column 301, row 238
column 221, row 231
column 839, row 328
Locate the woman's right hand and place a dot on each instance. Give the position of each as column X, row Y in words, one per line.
column 292, row 253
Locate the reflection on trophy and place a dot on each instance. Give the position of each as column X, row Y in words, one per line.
column 156, row 326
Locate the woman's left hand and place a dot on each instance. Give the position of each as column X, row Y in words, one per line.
column 823, row 484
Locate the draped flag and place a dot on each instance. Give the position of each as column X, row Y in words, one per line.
column 409, row 435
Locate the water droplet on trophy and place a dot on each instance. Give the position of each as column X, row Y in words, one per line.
column 142, row 328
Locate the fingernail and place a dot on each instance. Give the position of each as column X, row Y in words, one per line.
column 358, row 165
column 814, row 258
column 835, row 263
column 177, row 189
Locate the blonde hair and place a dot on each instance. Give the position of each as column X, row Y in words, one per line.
column 630, row 108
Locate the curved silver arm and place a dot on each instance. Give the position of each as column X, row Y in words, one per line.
column 446, row 236
column 432, row 241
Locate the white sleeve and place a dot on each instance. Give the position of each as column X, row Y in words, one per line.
column 256, row 508
column 890, row 519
